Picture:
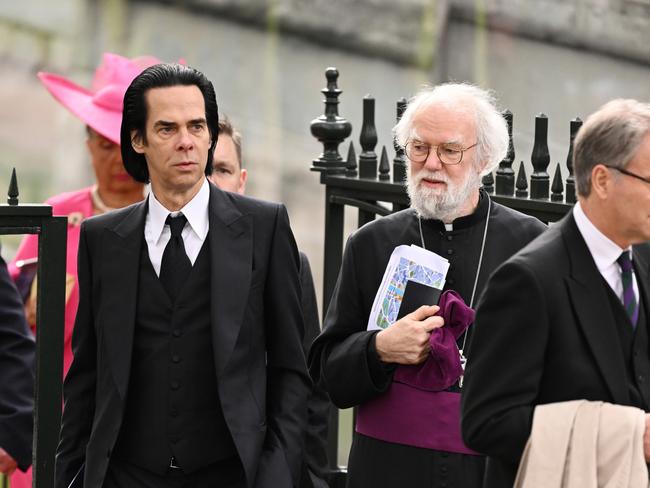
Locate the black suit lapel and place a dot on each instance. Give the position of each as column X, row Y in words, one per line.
column 642, row 271
column 231, row 252
column 591, row 306
column 120, row 272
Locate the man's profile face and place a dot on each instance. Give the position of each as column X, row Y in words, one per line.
column 110, row 173
column 227, row 172
column 438, row 189
column 178, row 139
column 630, row 198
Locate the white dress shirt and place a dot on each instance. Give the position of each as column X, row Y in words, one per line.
column 604, row 251
column 157, row 233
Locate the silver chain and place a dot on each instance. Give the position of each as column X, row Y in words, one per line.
column 478, row 267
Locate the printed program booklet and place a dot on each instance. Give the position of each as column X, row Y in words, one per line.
column 413, row 277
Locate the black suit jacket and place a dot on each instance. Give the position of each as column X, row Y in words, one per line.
column 544, row 332
column 257, row 331
column 17, row 354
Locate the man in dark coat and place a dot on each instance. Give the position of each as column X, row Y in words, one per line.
column 230, row 175
column 188, row 365
column 567, row 317
column 452, row 134
column 17, row 355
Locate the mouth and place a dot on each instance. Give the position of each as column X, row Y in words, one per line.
column 122, row 177
column 185, row 165
column 432, row 183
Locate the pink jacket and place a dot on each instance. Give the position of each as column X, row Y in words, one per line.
column 77, row 206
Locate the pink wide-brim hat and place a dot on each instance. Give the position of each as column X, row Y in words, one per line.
column 100, row 107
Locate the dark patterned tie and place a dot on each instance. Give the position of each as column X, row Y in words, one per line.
column 175, row 265
column 629, row 298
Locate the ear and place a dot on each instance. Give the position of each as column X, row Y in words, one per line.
column 601, row 181
column 243, row 176
column 136, row 142
column 479, row 166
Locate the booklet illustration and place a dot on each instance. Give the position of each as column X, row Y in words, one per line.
column 413, row 277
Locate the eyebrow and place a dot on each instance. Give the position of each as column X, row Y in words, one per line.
column 164, row 123
column 415, row 136
column 222, row 162
column 453, row 141
column 167, row 123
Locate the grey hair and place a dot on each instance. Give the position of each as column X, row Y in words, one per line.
column 491, row 128
column 610, row 136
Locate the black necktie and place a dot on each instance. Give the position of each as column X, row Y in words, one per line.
column 627, row 277
column 175, row 265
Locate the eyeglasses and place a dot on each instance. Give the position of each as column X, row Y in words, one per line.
column 418, row 152
column 629, row 173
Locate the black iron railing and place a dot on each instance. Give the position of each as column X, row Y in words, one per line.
column 18, row 218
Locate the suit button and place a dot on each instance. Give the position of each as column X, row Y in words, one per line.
column 450, row 281
column 176, row 332
column 449, row 238
column 641, row 378
column 175, row 385
column 450, row 252
column 176, row 358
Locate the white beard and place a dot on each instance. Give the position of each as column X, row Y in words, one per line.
column 446, row 204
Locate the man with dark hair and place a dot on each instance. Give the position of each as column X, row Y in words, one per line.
column 567, row 317
column 17, row 354
column 188, row 368
column 228, row 174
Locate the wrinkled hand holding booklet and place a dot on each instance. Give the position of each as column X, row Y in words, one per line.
column 413, row 277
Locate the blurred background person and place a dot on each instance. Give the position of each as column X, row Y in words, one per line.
column 228, row 174
column 100, row 108
column 17, row 354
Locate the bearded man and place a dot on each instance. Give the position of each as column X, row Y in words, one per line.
column 405, row 436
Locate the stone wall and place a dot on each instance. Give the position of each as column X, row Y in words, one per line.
column 62, row 34
column 42, row 32
column 617, row 27
column 405, row 31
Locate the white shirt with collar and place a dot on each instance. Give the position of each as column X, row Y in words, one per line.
column 157, row 233
column 604, row 251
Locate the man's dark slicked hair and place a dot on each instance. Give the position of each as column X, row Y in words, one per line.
column 134, row 115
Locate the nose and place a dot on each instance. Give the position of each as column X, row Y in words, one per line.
column 116, row 155
column 433, row 163
column 185, row 142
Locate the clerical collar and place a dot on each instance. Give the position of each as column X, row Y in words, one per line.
column 465, row 221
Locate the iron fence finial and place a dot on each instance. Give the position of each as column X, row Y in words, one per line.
column 330, row 129
column 12, row 194
column 574, row 125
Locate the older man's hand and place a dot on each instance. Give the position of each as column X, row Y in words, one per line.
column 407, row 340
column 7, row 464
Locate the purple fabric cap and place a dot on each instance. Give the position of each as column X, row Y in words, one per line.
column 415, row 410
column 442, row 368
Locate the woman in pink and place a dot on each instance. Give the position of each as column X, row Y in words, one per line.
column 100, row 108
